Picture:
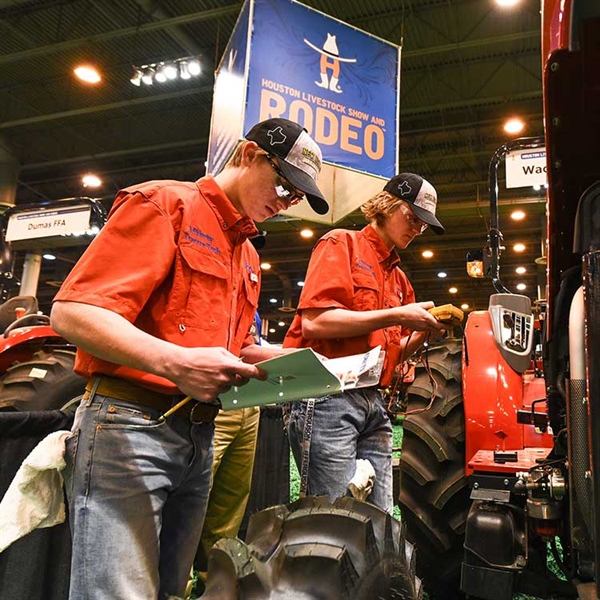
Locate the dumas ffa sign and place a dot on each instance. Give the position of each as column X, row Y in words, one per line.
column 526, row 168
column 33, row 224
column 287, row 60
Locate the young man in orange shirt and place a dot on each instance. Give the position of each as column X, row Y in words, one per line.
column 356, row 297
column 160, row 307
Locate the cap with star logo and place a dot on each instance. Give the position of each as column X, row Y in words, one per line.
column 299, row 156
column 420, row 194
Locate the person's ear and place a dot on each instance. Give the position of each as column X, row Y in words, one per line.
column 250, row 153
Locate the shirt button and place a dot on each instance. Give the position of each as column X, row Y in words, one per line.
column 181, row 327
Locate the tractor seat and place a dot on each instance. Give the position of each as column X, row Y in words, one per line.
column 8, row 312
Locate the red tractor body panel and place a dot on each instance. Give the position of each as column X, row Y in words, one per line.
column 493, row 392
column 22, row 343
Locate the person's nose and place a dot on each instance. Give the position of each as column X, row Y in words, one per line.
column 283, row 203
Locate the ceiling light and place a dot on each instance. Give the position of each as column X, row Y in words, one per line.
column 148, row 76
column 301, row 284
column 136, row 78
column 442, row 274
column 307, row 233
column 520, row 270
column 519, row 247
column 517, row 215
column 194, row 67
column 453, row 290
column 521, row 287
column 265, row 266
column 464, row 306
column 90, row 180
column 273, row 300
column 160, row 76
column 507, row 3
column 170, row 71
column 49, row 256
column 87, row 74
column 514, row 126
column 537, row 187
column 271, row 330
column 281, row 323
column 184, row 72
column 427, row 254
column 185, row 68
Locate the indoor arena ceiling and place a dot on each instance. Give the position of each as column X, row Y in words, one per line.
column 467, row 65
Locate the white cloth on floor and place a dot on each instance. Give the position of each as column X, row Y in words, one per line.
column 35, row 497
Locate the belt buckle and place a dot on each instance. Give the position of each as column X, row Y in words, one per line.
column 204, row 412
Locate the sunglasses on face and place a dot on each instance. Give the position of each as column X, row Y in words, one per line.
column 414, row 223
column 283, row 188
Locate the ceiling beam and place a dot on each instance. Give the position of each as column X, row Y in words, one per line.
column 88, row 110
column 186, row 19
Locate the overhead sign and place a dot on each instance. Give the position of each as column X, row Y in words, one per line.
column 51, row 222
column 287, row 60
column 526, row 168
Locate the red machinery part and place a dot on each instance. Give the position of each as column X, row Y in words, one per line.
column 493, row 392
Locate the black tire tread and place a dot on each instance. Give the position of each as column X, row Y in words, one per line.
column 22, row 391
column 313, row 549
column 434, row 497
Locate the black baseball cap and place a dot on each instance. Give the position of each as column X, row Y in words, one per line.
column 420, row 194
column 299, row 156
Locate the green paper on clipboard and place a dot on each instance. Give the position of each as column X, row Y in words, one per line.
column 302, row 374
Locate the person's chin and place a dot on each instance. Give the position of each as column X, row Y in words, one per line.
column 267, row 213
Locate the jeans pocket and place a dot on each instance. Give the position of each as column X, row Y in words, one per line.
column 71, row 445
column 115, row 415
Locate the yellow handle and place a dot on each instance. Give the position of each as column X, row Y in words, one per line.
column 174, row 408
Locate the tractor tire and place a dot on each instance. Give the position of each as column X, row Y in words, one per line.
column 46, row 382
column 315, row 550
column 434, row 498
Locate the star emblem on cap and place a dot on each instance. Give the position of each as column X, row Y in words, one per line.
column 276, row 136
column 404, row 188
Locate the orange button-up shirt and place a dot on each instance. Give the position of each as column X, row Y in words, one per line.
column 354, row 270
column 174, row 259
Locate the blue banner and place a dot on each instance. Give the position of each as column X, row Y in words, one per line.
column 339, row 82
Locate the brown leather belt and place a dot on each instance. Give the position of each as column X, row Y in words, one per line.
column 196, row 412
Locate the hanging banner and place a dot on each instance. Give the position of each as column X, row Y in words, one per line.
column 526, row 168
column 287, row 60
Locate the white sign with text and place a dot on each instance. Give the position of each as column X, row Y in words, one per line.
column 48, row 223
column 526, row 168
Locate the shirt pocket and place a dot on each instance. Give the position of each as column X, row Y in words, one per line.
column 205, row 290
column 247, row 305
column 366, row 292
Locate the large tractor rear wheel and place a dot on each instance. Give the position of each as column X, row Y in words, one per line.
column 434, row 499
column 46, row 382
column 314, row 550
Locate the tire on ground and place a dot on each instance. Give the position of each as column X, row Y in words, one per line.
column 313, row 549
column 434, row 498
column 46, row 382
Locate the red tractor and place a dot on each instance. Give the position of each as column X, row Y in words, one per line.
column 500, row 472
column 36, row 364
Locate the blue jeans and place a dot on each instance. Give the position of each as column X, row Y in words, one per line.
column 137, row 492
column 346, row 427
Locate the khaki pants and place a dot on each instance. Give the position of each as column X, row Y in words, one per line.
column 235, row 438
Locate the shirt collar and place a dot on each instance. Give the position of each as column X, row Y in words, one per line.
column 230, row 219
column 387, row 257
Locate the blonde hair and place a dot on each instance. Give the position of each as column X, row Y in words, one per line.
column 235, row 160
column 380, row 207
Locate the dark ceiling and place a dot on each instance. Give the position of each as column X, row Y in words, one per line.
column 467, row 65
